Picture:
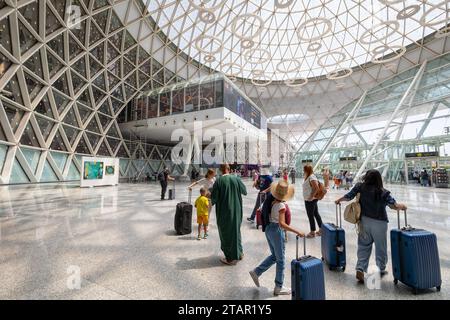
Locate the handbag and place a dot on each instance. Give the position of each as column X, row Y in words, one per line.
column 352, row 212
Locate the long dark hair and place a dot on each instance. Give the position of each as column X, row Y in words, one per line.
column 372, row 179
column 308, row 170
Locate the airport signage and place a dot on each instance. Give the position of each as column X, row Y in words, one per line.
column 422, row 154
column 307, row 161
column 348, row 159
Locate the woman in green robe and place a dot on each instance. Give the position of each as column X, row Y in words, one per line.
column 227, row 197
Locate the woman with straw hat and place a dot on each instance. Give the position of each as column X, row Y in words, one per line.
column 282, row 192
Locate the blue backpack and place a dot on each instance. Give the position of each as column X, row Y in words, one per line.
column 266, row 210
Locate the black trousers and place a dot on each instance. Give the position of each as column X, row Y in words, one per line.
column 163, row 189
column 313, row 214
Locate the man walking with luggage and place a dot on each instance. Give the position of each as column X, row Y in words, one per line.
column 227, row 197
column 164, row 177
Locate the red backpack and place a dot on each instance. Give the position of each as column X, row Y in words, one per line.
column 287, row 214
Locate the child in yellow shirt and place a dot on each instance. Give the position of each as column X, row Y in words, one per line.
column 202, row 205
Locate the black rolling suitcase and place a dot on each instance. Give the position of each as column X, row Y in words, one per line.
column 172, row 192
column 183, row 217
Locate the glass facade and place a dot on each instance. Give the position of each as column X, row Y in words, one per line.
column 207, row 93
column 66, row 95
column 422, row 124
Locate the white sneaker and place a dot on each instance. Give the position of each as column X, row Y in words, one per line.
column 281, row 291
column 254, row 277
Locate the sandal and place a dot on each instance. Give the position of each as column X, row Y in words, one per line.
column 319, row 233
column 228, row 262
column 312, row 234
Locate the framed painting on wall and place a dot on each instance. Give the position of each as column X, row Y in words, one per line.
column 93, row 170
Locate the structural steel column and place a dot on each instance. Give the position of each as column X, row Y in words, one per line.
column 411, row 87
column 339, row 128
column 405, row 116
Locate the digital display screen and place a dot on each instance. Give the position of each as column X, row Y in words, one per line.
column 422, row 154
column 240, row 106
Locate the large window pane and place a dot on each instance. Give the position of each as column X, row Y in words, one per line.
column 219, row 94
column 207, row 96
column 164, row 104
column 178, row 101
column 152, row 106
column 3, row 150
column 191, row 98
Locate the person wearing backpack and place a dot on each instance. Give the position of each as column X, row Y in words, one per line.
column 424, row 177
column 311, row 195
column 274, row 230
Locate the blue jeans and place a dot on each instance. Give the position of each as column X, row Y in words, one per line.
column 372, row 231
column 275, row 239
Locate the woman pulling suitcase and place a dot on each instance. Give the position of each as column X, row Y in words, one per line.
column 374, row 221
column 275, row 232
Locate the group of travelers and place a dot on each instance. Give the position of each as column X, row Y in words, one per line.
column 226, row 192
column 374, row 199
column 343, row 179
column 423, row 178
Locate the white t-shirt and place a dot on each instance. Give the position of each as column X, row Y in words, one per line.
column 275, row 213
column 208, row 183
column 307, row 188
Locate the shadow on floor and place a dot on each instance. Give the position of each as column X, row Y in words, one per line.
column 171, row 233
column 252, row 293
column 199, row 263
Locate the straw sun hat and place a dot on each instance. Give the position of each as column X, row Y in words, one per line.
column 282, row 190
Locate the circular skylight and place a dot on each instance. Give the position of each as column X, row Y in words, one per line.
column 283, row 40
column 293, row 118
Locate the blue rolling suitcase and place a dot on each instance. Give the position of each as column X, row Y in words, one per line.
column 308, row 281
column 333, row 243
column 415, row 257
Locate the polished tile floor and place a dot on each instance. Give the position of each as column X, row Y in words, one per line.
column 119, row 242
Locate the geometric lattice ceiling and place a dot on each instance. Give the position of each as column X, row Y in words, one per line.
column 271, row 40
column 67, row 70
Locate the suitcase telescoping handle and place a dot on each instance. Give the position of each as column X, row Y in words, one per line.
column 190, row 195
column 339, row 216
column 398, row 219
column 296, row 247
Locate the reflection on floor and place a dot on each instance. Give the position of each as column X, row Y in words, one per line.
column 121, row 242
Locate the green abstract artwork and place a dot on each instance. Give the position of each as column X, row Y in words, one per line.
column 93, row 170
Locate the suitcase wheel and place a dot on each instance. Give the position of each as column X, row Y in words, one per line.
column 438, row 288
column 343, row 269
column 395, row 281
